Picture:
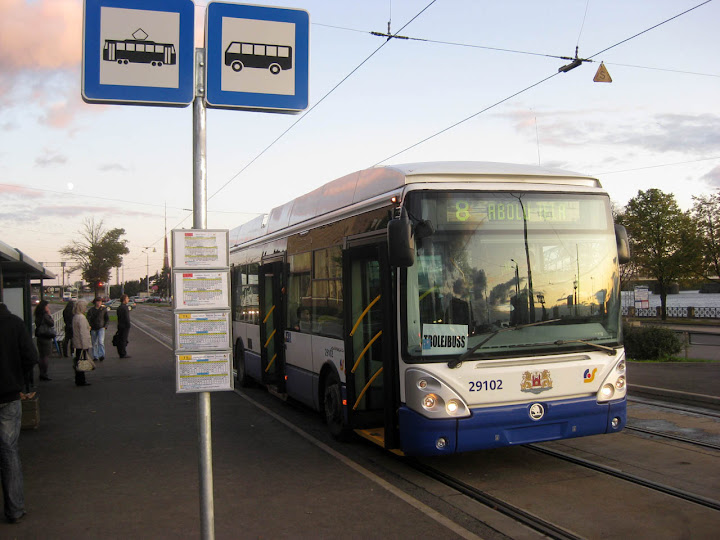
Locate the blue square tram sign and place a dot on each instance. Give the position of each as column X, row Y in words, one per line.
column 139, row 52
column 256, row 57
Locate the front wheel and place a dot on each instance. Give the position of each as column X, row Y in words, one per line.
column 236, row 66
column 334, row 409
column 241, row 377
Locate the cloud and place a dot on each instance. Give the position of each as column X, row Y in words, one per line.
column 51, row 158
column 713, row 177
column 19, row 191
column 44, row 34
column 674, row 132
column 111, row 167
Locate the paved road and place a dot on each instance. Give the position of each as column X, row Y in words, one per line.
column 119, row 459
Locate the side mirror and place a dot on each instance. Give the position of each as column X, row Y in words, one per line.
column 623, row 244
column 401, row 244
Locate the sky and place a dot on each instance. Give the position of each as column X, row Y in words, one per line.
column 475, row 83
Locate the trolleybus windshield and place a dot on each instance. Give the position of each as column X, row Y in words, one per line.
column 544, row 264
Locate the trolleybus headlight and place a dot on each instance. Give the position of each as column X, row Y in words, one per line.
column 607, row 391
column 426, row 394
column 429, row 401
column 621, row 366
column 620, row 383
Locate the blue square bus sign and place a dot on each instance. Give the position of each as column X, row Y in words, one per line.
column 139, row 52
column 256, row 57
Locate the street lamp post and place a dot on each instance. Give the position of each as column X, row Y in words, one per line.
column 146, row 251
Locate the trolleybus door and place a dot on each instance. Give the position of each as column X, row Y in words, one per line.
column 271, row 325
column 371, row 370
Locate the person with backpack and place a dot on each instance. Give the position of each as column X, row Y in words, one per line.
column 98, row 318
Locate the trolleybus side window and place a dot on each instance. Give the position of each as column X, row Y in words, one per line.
column 238, row 280
column 248, row 295
column 299, row 302
column 327, row 295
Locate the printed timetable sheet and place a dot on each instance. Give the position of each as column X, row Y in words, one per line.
column 200, row 248
column 208, row 330
column 207, row 289
column 204, row 372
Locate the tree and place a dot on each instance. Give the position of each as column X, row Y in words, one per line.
column 706, row 212
column 664, row 240
column 97, row 252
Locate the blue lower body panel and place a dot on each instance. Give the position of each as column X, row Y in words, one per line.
column 494, row 427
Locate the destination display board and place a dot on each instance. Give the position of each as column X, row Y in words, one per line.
column 204, row 372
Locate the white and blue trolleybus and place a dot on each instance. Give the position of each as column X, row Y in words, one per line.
column 437, row 308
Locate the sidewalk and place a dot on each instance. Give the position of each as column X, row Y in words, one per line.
column 119, row 459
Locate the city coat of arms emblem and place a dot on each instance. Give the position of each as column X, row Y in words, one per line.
column 536, row 381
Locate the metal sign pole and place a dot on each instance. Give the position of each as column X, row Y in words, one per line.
column 207, row 512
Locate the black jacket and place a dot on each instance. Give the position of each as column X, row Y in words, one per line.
column 68, row 317
column 123, row 317
column 98, row 317
column 17, row 355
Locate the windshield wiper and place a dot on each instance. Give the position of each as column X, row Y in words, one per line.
column 455, row 362
column 609, row 350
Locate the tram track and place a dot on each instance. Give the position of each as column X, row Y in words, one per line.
column 673, row 437
column 634, row 479
column 516, row 513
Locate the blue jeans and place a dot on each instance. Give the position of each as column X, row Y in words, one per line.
column 12, row 477
column 98, row 343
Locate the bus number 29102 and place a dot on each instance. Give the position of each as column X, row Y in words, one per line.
column 479, row 386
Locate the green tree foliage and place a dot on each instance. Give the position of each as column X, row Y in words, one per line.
column 651, row 343
column 706, row 212
column 664, row 240
column 97, row 252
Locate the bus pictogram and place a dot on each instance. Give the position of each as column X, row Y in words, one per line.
column 139, row 51
column 276, row 58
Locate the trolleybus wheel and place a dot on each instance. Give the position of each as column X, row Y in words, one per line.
column 274, row 69
column 333, row 408
column 241, row 375
column 237, row 65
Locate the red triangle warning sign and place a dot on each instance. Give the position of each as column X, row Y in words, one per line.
column 602, row 74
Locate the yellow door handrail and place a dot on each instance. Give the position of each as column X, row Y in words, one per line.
column 270, row 363
column 268, row 314
column 360, row 318
column 372, row 379
column 269, row 339
column 357, row 362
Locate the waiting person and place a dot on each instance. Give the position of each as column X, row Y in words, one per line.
column 98, row 318
column 68, row 317
column 123, row 325
column 81, row 339
column 45, row 333
column 17, row 360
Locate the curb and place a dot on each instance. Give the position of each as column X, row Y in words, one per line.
column 686, row 398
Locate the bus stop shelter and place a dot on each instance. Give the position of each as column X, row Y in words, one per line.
column 16, row 272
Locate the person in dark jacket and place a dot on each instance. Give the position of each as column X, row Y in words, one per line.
column 123, row 325
column 17, row 359
column 45, row 333
column 98, row 318
column 67, row 318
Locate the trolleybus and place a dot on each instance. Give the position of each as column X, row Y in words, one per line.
column 440, row 307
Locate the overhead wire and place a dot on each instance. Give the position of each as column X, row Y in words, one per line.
column 311, row 109
column 444, row 130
